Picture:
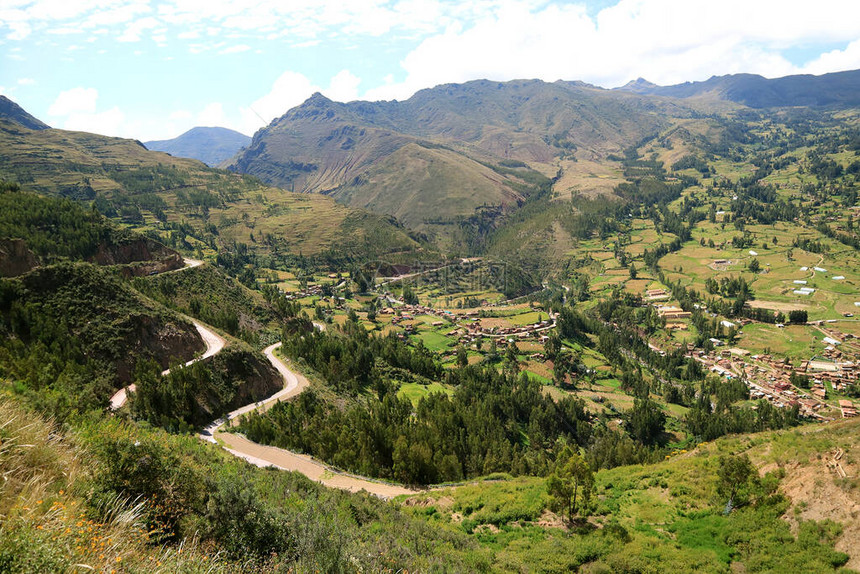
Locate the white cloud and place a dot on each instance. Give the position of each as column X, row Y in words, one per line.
column 309, row 19
column 665, row 41
column 289, row 90
column 76, row 100
column 79, row 111
column 847, row 59
column 26, row 82
column 134, row 30
column 65, row 31
column 238, row 49
column 180, row 115
column 116, row 15
column 19, row 30
column 343, row 87
column 212, row 115
column 109, row 122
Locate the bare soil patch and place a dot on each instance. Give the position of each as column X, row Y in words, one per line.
column 818, row 494
column 778, row 306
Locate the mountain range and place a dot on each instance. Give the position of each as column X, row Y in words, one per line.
column 179, row 197
column 573, row 314
column 210, row 145
column 835, row 89
column 451, row 151
column 446, row 161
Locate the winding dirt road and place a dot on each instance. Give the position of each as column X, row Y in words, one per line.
column 264, row 456
column 214, row 344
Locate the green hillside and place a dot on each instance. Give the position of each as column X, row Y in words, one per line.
column 638, row 352
column 73, row 333
column 670, row 516
column 38, row 230
column 187, row 204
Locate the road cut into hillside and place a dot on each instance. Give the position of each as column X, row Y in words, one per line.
column 214, row 344
column 265, row 456
column 268, row 456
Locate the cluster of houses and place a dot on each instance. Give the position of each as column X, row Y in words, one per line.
column 469, row 328
column 309, row 291
column 770, row 379
column 656, row 295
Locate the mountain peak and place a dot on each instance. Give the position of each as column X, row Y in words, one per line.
column 11, row 111
column 639, row 85
column 211, row 145
column 317, row 99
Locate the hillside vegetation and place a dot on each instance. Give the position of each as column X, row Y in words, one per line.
column 188, row 205
column 618, row 336
column 117, row 496
column 447, row 151
column 41, row 230
column 73, row 333
column 670, row 516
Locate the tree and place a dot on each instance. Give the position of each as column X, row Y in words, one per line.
column 570, row 486
column 552, row 346
column 632, row 270
column 735, row 474
column 409, row 296
column 754, row 266
column 462, row 357
column 511, row 356
column 645, row 421
column 560, row 369
column 797, row 316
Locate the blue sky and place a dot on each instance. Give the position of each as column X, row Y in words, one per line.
column 151, row 69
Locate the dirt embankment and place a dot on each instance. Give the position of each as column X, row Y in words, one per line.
column 140, row 256
column 165, row 342
column 135, row 257
column 252, row 378
column 817, row 493
column 16, row 258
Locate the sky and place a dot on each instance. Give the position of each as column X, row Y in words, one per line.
column 152, row 69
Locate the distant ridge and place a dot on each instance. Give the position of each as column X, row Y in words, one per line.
column 209, row 145
column 11, row 111
column 449, row 151
column 639, row 85
column 828, row 90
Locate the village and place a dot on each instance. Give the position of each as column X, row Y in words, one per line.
column 768, row 377
column 773, row 379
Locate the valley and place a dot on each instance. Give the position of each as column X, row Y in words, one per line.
column 500, row 326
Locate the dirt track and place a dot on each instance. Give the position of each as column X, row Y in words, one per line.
column 214, row 344
column 264, row 456
column 261, row 455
